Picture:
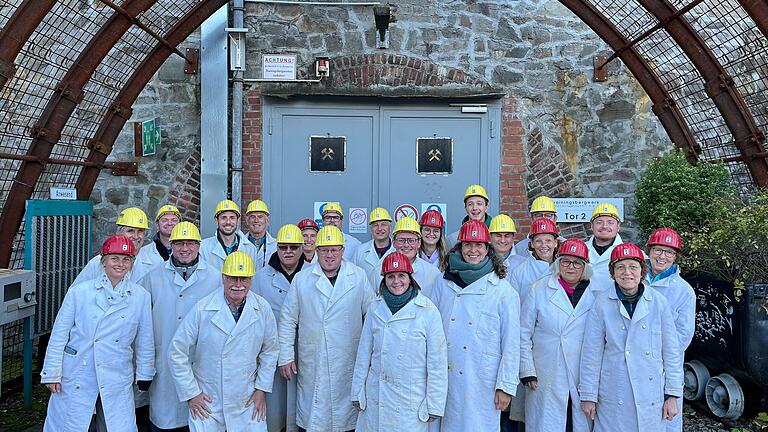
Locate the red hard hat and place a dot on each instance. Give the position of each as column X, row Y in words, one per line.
column 307, row 223
column 574, row 247
column 627, row 251
column 543, row 226
column 666, row 237
column 396, row 262
column 474, row 231
column 432, row 218
column 118, row 244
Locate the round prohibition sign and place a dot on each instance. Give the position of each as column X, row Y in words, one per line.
column 357, row 217
column 406, row 210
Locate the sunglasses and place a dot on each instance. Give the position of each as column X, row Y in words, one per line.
column 288, row 247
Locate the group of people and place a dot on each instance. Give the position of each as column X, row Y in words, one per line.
column 414, row 330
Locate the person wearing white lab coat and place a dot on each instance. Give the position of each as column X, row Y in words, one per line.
column 407, row 240
column 476, row 205
column 400, row 380
column 333, row 214
column 158, row 250
column 552, row 321
column 544, row 244
column 541, row 207
column 327, row 302
column 228, row 237
column 434, row 247
column 605, row 223
column 663, row 247
column 257, row 223
column 132, row 223
column 481, row 319
column 273, row 282
column 369, row 255
column 224, row 354
column 89, row 362
column 175, row 287
column 631, row 364
column 503, row 232
column 309, row 230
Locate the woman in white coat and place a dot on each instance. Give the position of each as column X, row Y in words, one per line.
column 224, row 354
column 481, row 319
column 543, row 246
column 433, row 244
column 400, row 380
column 663, row 247
column 552, row 322
column 631, row 365
column 309, row 230
column 89, row 362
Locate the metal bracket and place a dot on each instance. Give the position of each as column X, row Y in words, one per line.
column 717, row 86
column 98, row 146
column 69, row 92
column 41, row 133
column 121, row 110
column 122, row 168
column 600, row 69
column 193, row 59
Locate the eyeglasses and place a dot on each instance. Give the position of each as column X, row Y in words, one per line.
column 410, row 241
column 569, row 263
column 292, row 247
column 184, row 243
column 328, row 251
column 330, row 218
column 627, row 268
column 666, row 253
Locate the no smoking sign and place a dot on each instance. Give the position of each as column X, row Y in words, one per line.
column 406, row 210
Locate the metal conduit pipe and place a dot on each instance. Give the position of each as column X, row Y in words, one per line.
column 238, row 21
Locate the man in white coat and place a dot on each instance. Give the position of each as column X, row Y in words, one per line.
column 407, row 240
column 334, row 215
column 257, row 221
column 369, row 255
column 503, row 232
column 273, row 283
column 175, row 287
column 89, row 362
column 159, row 250
column 541, row 207
column 476, row 205
column 228, row 237
column 224, row 354
column 605, row 223
column 327, row 302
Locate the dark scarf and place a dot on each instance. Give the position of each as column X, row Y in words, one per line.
column 462, row 270
column 381, row 251
column 164, row 251
column 235, row 243
column 396, row 302
column 185, row 270
column 601, row 249
column 629, row 302
column 487, row 220
column 274, row 262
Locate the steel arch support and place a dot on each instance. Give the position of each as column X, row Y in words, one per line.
column 720, row 88
column 663, row 105
column 758, row 10
column 120, row 111
column 17, row 31
column 47, row 131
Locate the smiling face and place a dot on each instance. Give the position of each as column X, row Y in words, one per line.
column 185, row 251
column 380, row 230
column 605, row 228
column 397, row 282
column 502, row 242
column 329, row 258
column 116, row 266
column 289, row 254
column 408, row 244
column 257, row 223
column 236, row 288
column 662, row 258
column 474, row 252
column 310, row 237
column 628, row 274
column 571, row 269
column 544, row 245
column 430, row 235
column 476, row 208
column 166, row 223
column 135, row 235
column 227, row 222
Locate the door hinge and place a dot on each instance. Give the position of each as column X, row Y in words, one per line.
column 492, row 132
column 269, row 126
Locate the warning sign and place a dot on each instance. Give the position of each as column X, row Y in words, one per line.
column 358, row 216
column 406, row 210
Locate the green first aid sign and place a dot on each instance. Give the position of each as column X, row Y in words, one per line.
column 150, row 137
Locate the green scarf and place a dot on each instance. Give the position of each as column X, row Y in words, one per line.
column 469, row 273
column 487, row 220
column 396, row 302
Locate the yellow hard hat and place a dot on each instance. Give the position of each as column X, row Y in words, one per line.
column 185, row 231
column 167, row 209
column 502, row 224
column 290, row 234
column 605, row 209
column 543, row 204
column 133, row 217
column 226, row 205
column 476, row 190
column 257, row 206
column 329, row 235
column 238, row 264
column 379, row 214
column 333, row 207
column 407, row 224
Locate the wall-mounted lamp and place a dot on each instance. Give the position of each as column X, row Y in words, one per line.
column 322, row 67
column 383, row 16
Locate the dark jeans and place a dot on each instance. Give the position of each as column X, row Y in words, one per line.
column 304, row 430
column 157, row 429
column 508, row 425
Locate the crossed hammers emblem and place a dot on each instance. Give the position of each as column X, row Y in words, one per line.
column 434, row 154
column 327, row 153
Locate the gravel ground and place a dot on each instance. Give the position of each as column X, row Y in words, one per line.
column 694, row 420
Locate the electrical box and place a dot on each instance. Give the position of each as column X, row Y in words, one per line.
column 17, row 288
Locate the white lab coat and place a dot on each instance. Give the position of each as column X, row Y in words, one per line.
column 263, row 253
column 424, row 273
column 281, row 403
column 526, row 273
column 482, row 327
column 551, row 333
column 330, row 320
column 143, row 263
column 682, row 304
column 226, row 360
column 351, row 244
column 91, row 354
column 172, row 299
column 367, row 259
column 150, row 254
column 600, row 274
column 512, row 262
column 213, row 252
column 628, row 365
column 401, row 368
